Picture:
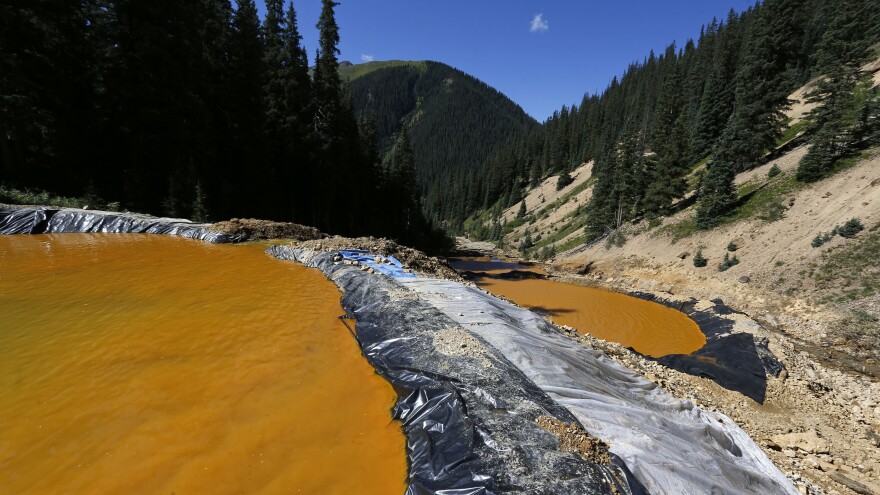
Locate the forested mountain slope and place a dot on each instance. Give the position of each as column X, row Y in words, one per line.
column 193, row 109
column 716, row 104
column 456, row 121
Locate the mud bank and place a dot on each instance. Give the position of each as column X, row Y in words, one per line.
column 646, row 428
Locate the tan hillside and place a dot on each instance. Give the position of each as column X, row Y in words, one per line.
column 777, row 220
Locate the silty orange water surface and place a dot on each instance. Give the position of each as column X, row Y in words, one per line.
column 152, row 364
column 649, row 328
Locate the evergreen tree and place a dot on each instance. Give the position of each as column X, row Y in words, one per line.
column 287, row 94
column 844, row 92
column 763, row 82
column 522, row 210
column 403, row 177
column 717, row 195
column 666, row 181
column 335, row 133
column 250, row 187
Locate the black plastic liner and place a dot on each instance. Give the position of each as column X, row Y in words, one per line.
column 469, row 421
column 736, row 361
column 36, row 220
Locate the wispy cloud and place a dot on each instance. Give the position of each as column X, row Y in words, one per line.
column 539, row 24
column 367, row 58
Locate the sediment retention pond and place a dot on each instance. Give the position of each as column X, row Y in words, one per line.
column 157, row 364
column 650, row 328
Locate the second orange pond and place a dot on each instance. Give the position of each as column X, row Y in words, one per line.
column 649, row 328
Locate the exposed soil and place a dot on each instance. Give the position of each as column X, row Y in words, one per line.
column 413, row 259
column 573, row 438
column 256, row 230
column 818, row 425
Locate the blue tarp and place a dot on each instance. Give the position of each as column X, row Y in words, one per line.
column 389, row 265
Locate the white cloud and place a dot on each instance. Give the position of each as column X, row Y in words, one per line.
column 539, row 24
column 367, row 58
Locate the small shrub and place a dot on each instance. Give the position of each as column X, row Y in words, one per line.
column 773, row 213
column 851, row 228
column 727, row 262
column 699, row 260
column 731, row 246
column 526, row 243
column 848, row 231
column 655, row 222
column 774, row 171
column 616, row 239
column 563, row 180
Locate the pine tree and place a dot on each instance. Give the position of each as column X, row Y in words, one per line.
column 522, row 210
column 763, row 82
column 335, row 130
column 666, row 181
column 287, row 95
column 717, row 190
column 844, row 48
column 249, row 175
column 403, row 176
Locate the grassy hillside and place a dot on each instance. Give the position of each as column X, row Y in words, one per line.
column 349, row 71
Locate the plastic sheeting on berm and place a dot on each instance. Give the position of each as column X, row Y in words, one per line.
column 469, row 420
column 38, row 220
column 737, row 361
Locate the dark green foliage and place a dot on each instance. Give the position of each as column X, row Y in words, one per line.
column 721, row 98
column 615, row 239
column 731, row 246
column 846, row 119
column 563, row 181
column 699, row 260
column 775, row 211
column 526, row 243
column 547, row 253
column 774, row 171
column 851, row 228
column 456, row 122
column 522, row 210
column 193, row 109
column 727, row 262
column 717, row 194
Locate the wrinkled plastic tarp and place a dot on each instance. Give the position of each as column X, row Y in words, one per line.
column 389, row 265
column 469, row 421
column 670, row 445
column 30, row 220
column 736, row 361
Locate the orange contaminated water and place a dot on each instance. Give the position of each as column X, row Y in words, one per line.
column 157, row 365
column 649, row 328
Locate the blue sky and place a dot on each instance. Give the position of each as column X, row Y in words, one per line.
column 574, row 47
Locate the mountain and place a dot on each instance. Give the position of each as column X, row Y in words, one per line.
column 456, row 121
column 716, row 105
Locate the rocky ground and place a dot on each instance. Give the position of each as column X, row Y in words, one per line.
column 820, row 422
column 256, row 230
column 413, row 259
